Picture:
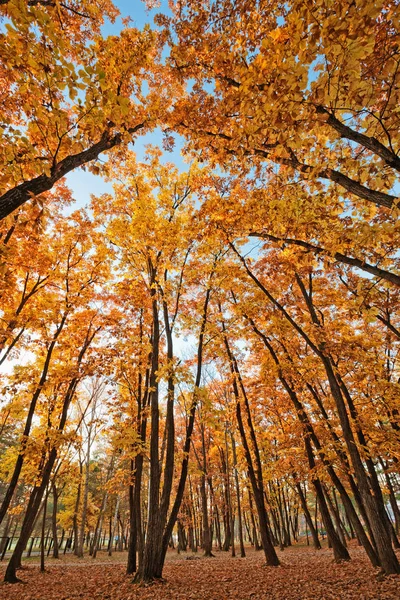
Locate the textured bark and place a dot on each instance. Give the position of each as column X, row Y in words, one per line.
column 350, row 185
column 307, row 515
column 158, row 532
column 28, row 423
column 255, row 473
column 17, row 196
column 371, row 143
column 38, row 491
column 54, row 521
column 343, row 258
column 150, row 567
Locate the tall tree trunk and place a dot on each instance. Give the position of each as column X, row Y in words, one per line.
column 238, row 502
column 207, row 540
column 4, row 538
column 99, row 523
column 392, row 499
column 256, row 479
column 28, row 423
column 380, row 531
column 136, row 541
column 42, row 538
column 54, row 520
column 303, row 418
column 155, row 552
column 149, row 566
column 75, row 526
column 114, row 525
column 313, row 531
column 253, row 522
column 38, row 490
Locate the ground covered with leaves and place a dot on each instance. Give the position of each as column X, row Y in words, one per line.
column 304, row 574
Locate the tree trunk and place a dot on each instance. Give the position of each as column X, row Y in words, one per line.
column 54, row 521
column 76, row 509
column 238, row 502
column 255, row 479
column 303, row 418
column 38, row 491
column 42, row 543
column 159, row 530
column 313, row 531
column 380, row 531
column 28, row 423
column 114, row 525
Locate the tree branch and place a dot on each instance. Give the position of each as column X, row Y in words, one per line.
column 14, row 198
column 371, row 143
column 343, row 258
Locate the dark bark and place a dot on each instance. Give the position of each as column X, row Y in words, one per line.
column 226, row 511
column 76, row 510
column 336, row 516
column 28, row 423
column 343, row 258
column 255, row 473
column 190, row 426
column 207, row 539
column 257, row 545
column 38, row 491
column 169, row 421
column 154, row 533
column 371, row 143
column 159, row 533
column 4, row 538
column 42, row 539
column 238, row 501
column 354, row 187
column 18, row 195
column 136, row 542
column 379, row 529
column 54, row 521
column 392, row 498
column 132, row 546
column 302, row 415
column 307, row 515
column 94, row 546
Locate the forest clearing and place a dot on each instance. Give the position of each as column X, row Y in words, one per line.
column 199, row 299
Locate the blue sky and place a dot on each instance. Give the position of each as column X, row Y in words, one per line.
column 135, row 9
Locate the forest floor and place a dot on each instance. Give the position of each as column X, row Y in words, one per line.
column 303, row 574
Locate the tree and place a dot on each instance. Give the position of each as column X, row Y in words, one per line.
column 310, row 90
column 69, row 94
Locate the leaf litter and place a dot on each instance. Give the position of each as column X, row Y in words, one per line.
column 304, row 574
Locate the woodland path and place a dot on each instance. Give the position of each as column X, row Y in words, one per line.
column 304, row 575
